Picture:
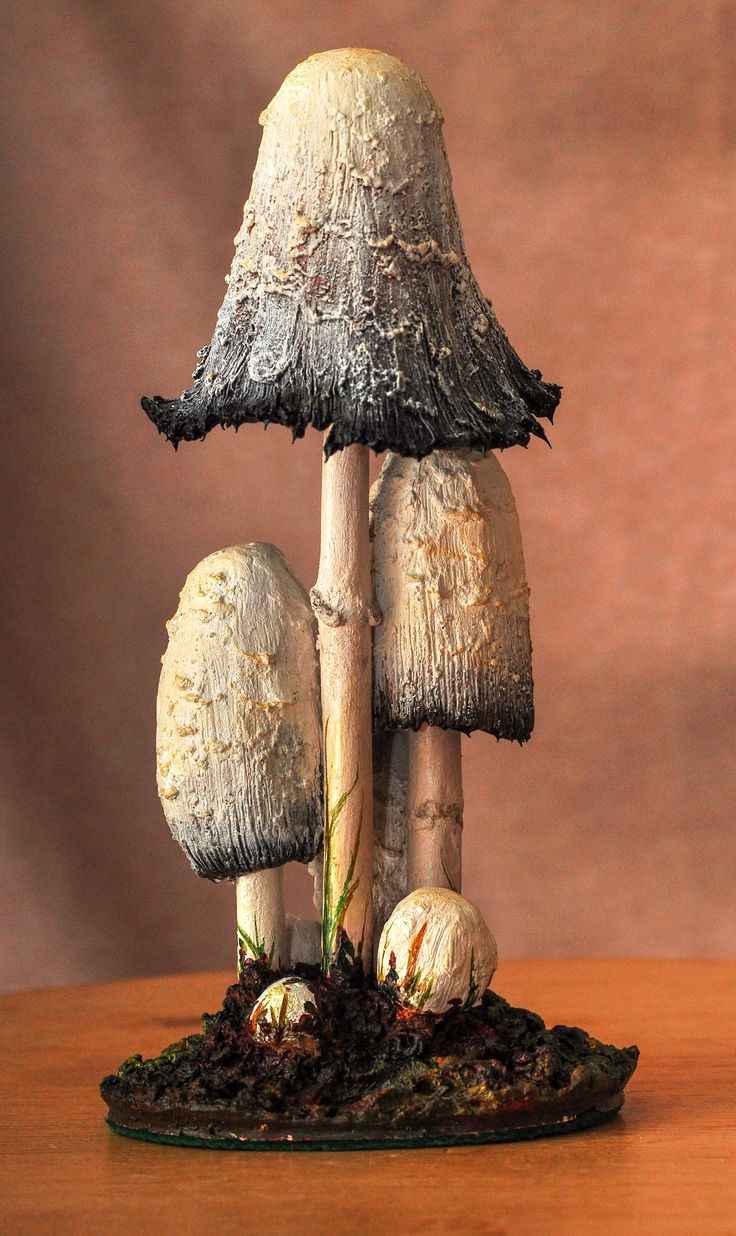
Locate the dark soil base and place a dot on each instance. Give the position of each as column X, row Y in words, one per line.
column 361, row 1073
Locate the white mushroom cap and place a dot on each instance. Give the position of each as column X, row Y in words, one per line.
column 454, row 648
column 439, row 948
column 238, row 721
column 351, row 302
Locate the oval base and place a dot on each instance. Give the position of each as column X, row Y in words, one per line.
column 359, row 1073
column 373, row 1139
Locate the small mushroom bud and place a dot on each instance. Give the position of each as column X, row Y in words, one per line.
column 436, row 948
column 282, row 1006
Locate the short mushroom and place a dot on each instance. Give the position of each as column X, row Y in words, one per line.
column 436, row 949
column 238, row 733
column 453, row 653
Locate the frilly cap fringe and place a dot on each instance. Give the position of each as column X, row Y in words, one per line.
column 351, row 303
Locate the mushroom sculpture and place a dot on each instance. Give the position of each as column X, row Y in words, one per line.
column 453, row 653
column 238, row 733
column 351, row 307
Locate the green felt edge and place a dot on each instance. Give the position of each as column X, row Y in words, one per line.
column 411, row 1140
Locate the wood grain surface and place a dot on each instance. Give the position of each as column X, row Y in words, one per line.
column 666, row 1166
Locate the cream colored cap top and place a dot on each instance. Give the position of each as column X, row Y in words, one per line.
column 352, row 81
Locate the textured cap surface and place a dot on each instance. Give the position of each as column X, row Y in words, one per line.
column 351, row 302
column 238, row 740
column 454, row 648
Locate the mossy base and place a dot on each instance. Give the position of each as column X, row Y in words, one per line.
column 360, row 1073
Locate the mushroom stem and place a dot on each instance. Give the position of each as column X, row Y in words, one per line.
column 435, row 809
column 261, row 918
column 390, row 824
column 342, row 600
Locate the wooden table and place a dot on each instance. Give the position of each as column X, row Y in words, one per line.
column 666, row 1166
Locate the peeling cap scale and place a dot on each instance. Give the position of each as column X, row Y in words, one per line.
column 238, row 733
column 351, row 306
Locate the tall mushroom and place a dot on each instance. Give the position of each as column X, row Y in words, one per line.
column 351, row 307
column 454, row 652
column 238, row 733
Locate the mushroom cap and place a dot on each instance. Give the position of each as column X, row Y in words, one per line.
column 436, row 948
column 454, row 648
column 351, row 302
column 238, row 740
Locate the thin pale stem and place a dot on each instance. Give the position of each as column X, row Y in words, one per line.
column 435, row 809
column 261, row 918
column 343, row 602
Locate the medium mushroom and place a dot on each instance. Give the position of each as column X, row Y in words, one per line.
column 238, row 733
column 453, row 653
column 351, row 306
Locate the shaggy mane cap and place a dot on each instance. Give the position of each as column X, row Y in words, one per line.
column 454, row 648
column 238, row 733
column 350, row 302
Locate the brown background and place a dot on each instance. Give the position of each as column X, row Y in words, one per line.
column 593, row 153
